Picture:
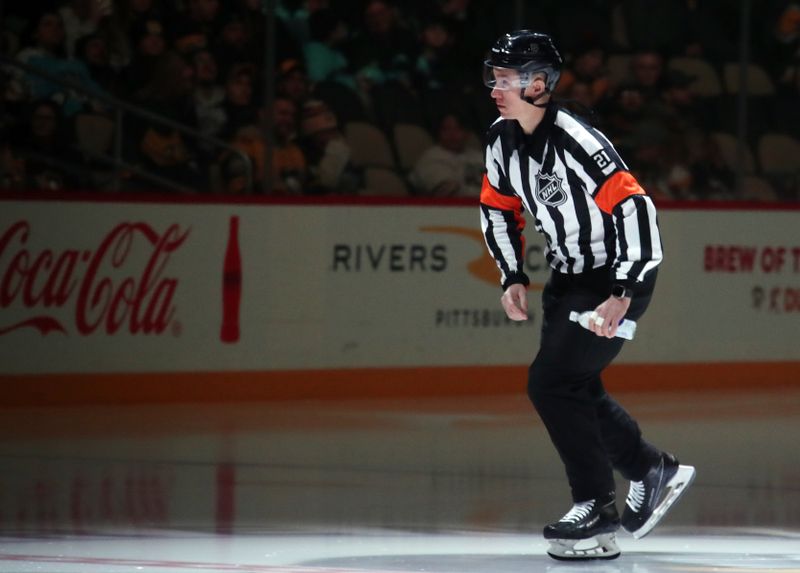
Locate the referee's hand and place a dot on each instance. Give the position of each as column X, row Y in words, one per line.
column 515, row 302
column 608, row 315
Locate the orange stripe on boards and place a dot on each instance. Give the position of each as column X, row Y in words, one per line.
column 619, row 186
column 188, row 387
column 218, row 387
column 716, row 376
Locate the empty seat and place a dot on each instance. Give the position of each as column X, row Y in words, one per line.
column 94, row 133
column 779, row 154
column 383, row 182
column 706, row 80
column 369, row 145
column 729, row 149
column 758, row 80
column 758, row 189
column 410, row 141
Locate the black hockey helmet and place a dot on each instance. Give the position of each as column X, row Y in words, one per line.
column 527, row 52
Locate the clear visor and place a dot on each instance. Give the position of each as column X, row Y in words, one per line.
column 505, row 78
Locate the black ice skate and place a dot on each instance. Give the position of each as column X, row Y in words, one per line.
column 587, row 531
column 649, row 500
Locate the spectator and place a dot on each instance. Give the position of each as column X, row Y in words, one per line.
column 475, row 25
column 784, row 57
column 712, row 177
column 440, row 65
column 293, row 82
column 289, row 173
column 324, row 58
column 647, row 73
column 126, row 18
column 168, row 91
column 92, row 50
column 42, row 43
column 640, row 97
column 295, row 14
column 285, row 45
column 161, row 149
column 149, row 44
column 783, row 44
column 449, row 168
column 12, row 167
column 45, row 149
column 193, row 28
column 289, row 168
column 81, row 18
column 384, row 49
column 683, row 112
column 624, row 111
column 46, row 52
column 331, row 169
column 118, row 50
column 653, row 162
column 580, row 92
column 239, row 107
column 208, row 94
column 250, row 141
column 235, row 43
column 588, row 68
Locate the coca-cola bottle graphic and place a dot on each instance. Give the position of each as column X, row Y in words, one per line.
column 231, row 285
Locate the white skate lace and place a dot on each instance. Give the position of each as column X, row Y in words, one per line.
column 635, row 497
column 578, row 511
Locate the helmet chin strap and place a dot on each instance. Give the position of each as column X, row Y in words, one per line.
column 533, row 100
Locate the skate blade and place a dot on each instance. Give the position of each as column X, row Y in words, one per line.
column 675, row 488
column 605, row 547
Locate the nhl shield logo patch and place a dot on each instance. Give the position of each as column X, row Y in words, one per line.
column 550, row 189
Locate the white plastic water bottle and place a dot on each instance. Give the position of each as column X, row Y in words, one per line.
column 626, row 328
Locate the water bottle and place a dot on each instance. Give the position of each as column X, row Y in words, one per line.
column 626, row 328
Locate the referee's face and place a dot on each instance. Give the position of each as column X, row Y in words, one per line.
column 506, row 93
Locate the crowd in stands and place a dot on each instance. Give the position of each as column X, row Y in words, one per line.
column 385, row 97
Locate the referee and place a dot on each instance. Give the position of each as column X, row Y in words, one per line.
column 604, row 247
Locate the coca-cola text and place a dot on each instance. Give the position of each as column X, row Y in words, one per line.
column 109, row 293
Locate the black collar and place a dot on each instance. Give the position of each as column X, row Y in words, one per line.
column 536, row 141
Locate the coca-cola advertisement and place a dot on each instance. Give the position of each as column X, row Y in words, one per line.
column 121, row 284
column 113, row 287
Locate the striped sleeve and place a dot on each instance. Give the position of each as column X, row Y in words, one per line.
column 639, row 248
column 502, row 224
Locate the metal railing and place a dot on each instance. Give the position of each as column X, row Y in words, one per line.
column 119, row 109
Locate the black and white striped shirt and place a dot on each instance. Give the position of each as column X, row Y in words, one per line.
column 581, row 196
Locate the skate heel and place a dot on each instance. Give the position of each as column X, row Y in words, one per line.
column 587, row 531
column 674, row 488
column 602, row 546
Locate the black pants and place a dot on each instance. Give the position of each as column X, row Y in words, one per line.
column 593, row 434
